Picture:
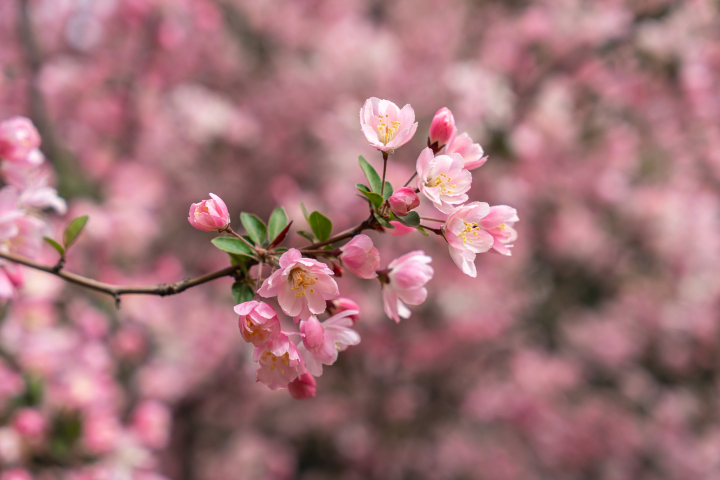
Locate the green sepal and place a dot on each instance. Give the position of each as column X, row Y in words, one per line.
column 255, row 227
column 370, row 174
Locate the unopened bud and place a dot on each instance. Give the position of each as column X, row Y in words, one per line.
column 403, row 200
column 303, row 387
column 442, row 129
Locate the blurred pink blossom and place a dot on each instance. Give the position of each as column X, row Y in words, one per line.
column 472, row 153
column 18, row 137
column 303, row 387
column 404, row 283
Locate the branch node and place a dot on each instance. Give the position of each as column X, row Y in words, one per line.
column 116, row 296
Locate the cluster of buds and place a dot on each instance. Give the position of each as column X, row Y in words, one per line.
column 303, row 280
column 24, row 199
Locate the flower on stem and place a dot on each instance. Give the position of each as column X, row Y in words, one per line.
column 443, row 179
column 472, row 153
column 499, row 223
column 258, row 322
column 403, row 282
column 322, row 341
column 442, row 128
column 465, row 236
column 18, row 138
column 209, row 215
column 303, row 387
column 279, row 362
column 342, row 304
column 302, row 285
column 361, row 257
column 386, row 126
column 403, row 200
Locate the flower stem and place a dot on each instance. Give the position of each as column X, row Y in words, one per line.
column 382, row 185
column 410, row 180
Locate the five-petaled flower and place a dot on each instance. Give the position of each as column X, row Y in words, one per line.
column 322, row 341
column 499, row 223
column 279, row 362
column 472, row 153
column 443, row 179
column 466, row 237
column 302, row 285
column 386, row 126
column 258, row 322
column 404, row 282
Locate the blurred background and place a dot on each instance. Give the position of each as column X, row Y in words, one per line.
column 592, row 353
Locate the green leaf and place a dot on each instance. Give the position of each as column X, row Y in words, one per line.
column 422, row 230
column 382, row 221
column 242, row 293
column 374, row 198
column 321, row 226
column 73, row 230
column 278, row 221
column 370, row 174
column 255, row 227
column 55, row 245
column 362, row 187
column 412, row 219
column 233, row 245
column 306, row 235
column 305, row 212
column 388, row 190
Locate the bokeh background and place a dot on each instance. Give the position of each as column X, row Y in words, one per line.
column 592, row 353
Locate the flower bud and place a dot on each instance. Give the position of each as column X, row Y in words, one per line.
column 303, row 387
column 360, row 256
column 18, row 137
column 442, row 128
column 209, row 215
column 403, row 200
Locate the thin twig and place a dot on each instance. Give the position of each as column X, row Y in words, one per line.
column 382, row 185
column 232, row 232
column 259, row 276
column 430, row 219
column 410, row 180
column 436, row 231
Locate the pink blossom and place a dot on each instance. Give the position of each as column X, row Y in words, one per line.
column 258, row 322
column 472, row 153
column 404, row 283
column 11, row 383
column 101, row 433
column 403, row 200
column 303, row 387
column 442, row 179
column 209, row 215
column 400, row 230
column 11, row 276
column 341, row 304
column 29, row 422
column 322, row 341
column 302, row 285
column 499, row 223
column 442, row 128
column 34, row 185
column 18, row 137
column 150, row 422
column 386, row 126
column 16, row 474
column 280, row 362
column 361, row 257
column 465, row 236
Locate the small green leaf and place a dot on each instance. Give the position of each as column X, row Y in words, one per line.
column 73, row 230
column 388, row 190
column 305, row 212
column 55, row 245
column 382, row 221
column 255, row 227
column 321, row 226
column 362, row 187
column 412, row 219
column 278, row 221
column 374, row 198
column 242, row 293
column 306, row 235
column 370, row 174
column 422, row 230
column 232, row 245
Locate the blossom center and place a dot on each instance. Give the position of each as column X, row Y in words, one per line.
column 386, row 132
column 471, row 229
column 273, row 360
column 301, row 281
column 443, row 182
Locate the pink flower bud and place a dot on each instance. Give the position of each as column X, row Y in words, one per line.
column 342, row 304
column 29, row 423
column 303, row 387
column 361, row 257
column 209, row 215
column 442, row 127
column 18, row 137
column 403, row 200
column 313, row 333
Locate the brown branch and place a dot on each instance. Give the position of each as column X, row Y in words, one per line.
column 117, row 290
